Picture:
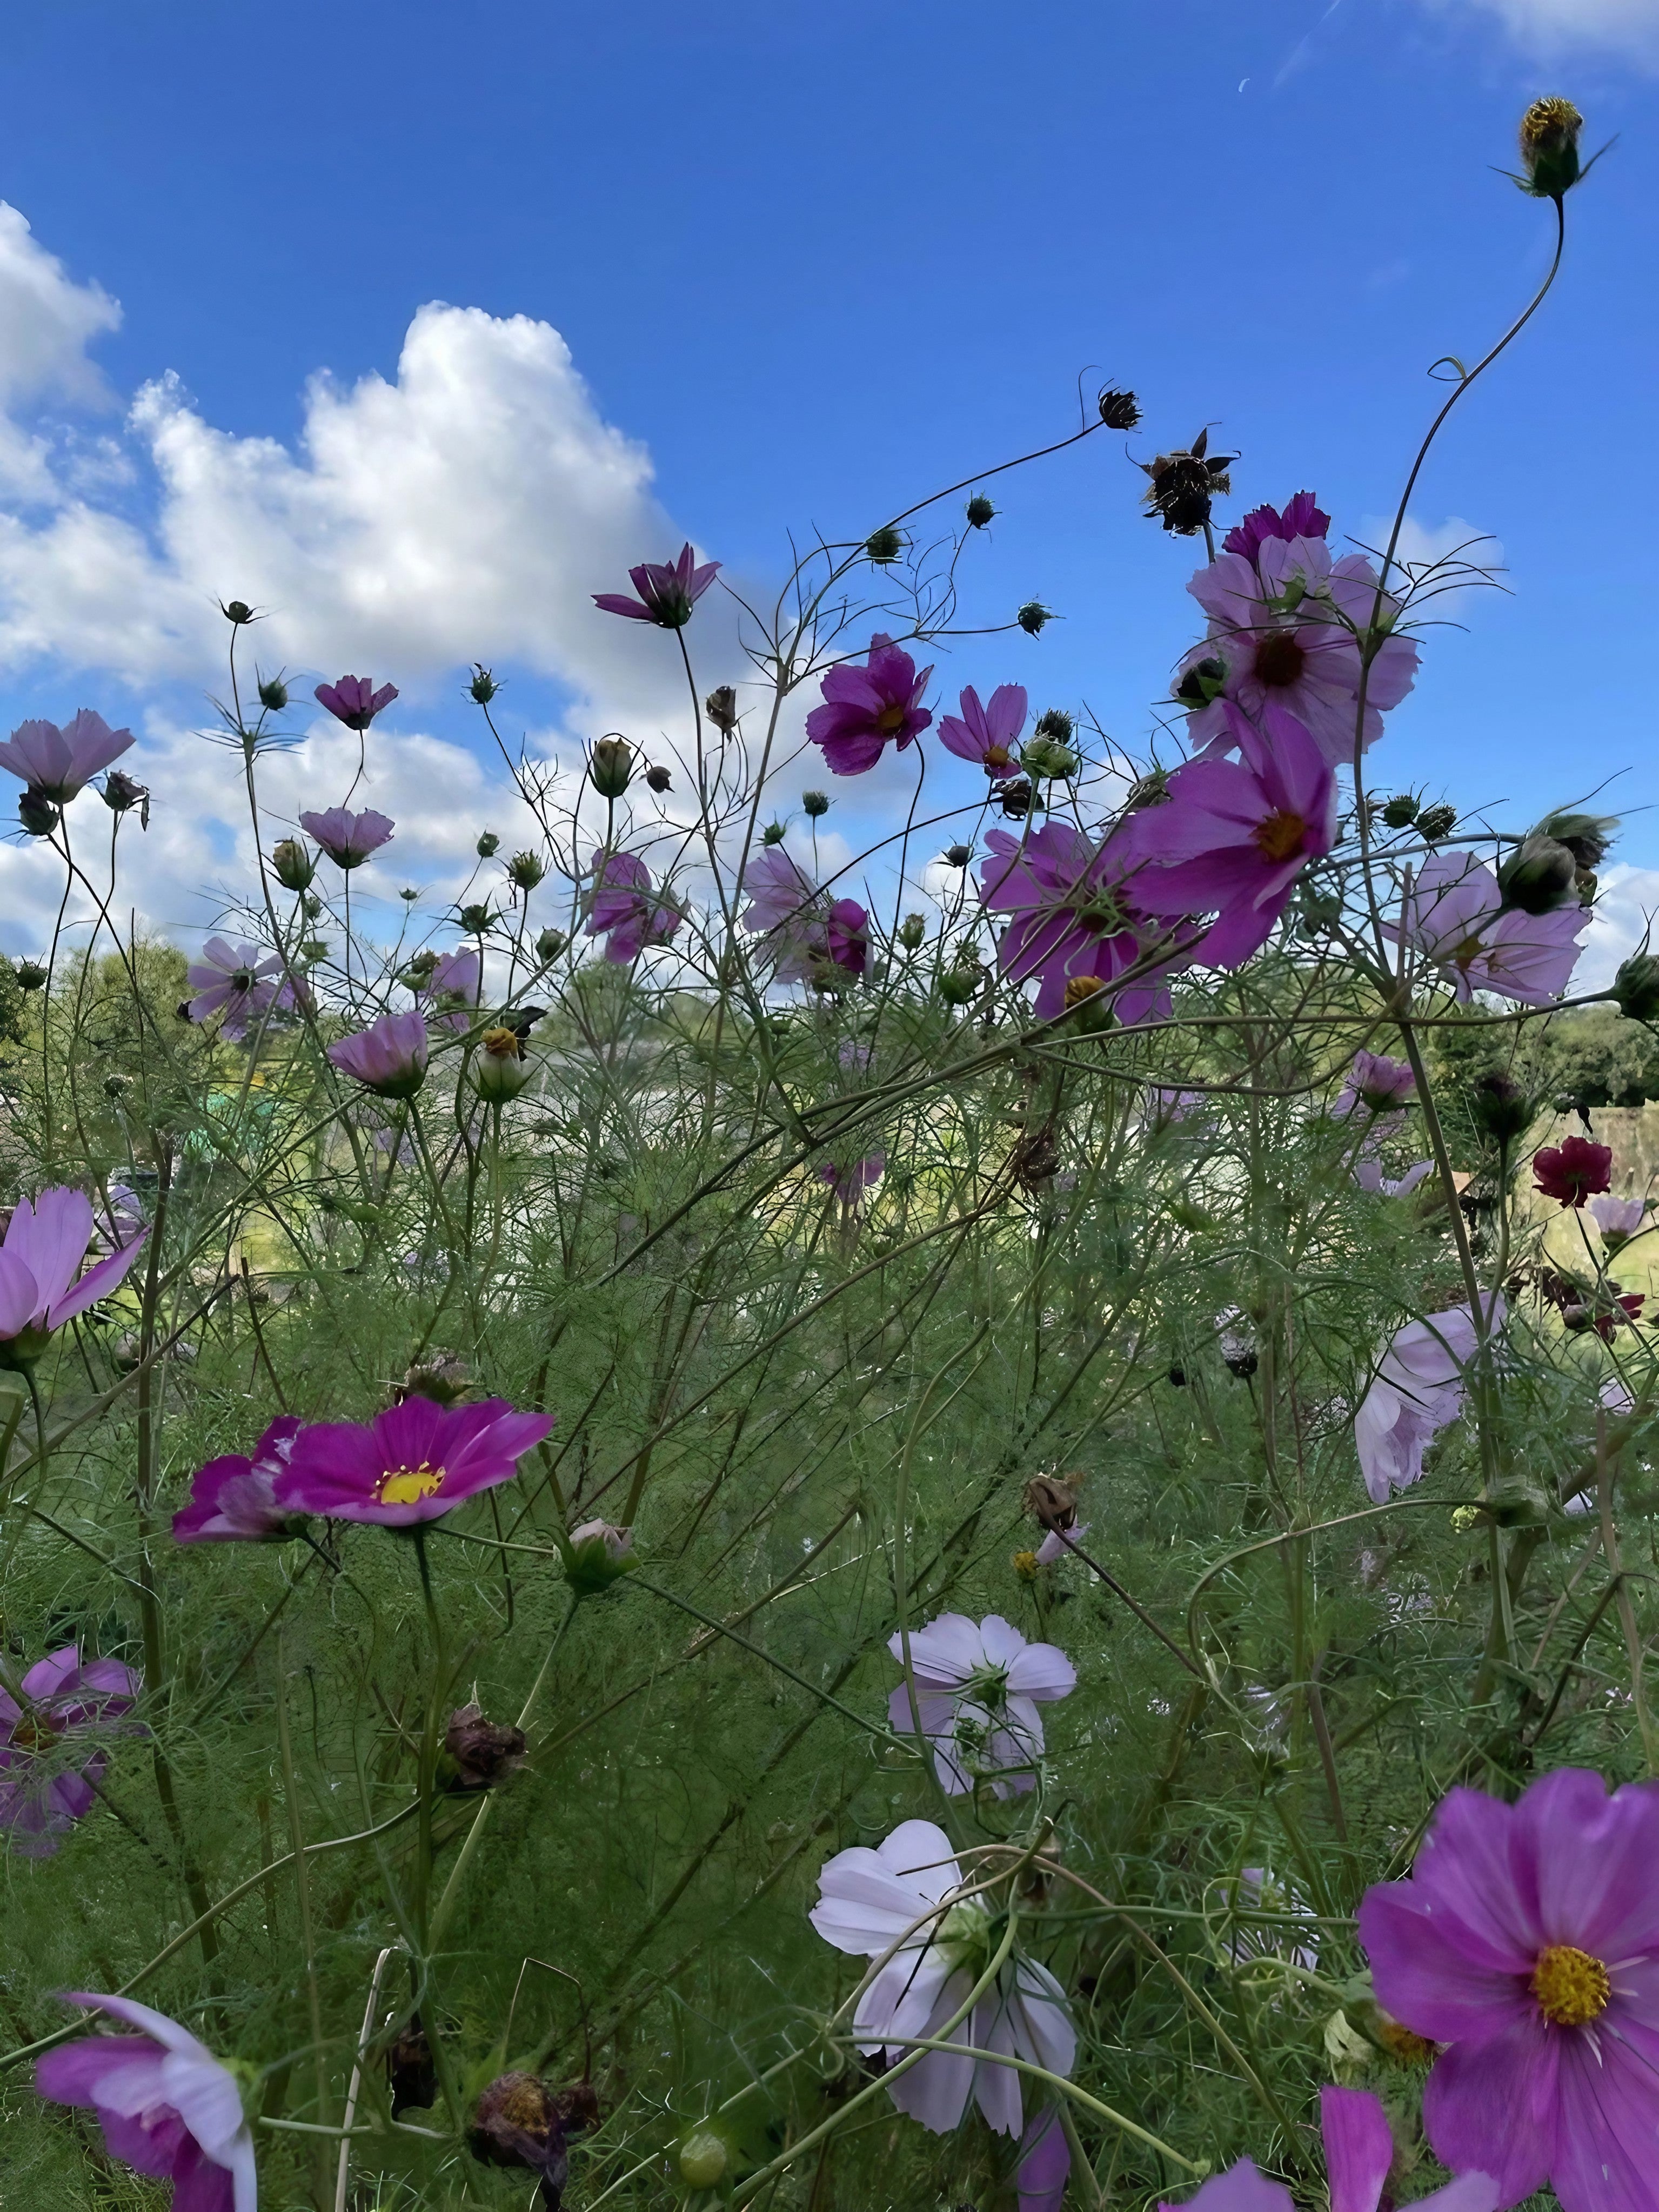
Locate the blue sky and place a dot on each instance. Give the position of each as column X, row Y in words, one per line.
column 809, row 264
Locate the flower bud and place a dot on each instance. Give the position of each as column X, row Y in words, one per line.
column 773, row 834
column 477, row 921
column 1499, row 1108
column 314, row 950
column 1203, row 683
column 292, row 864
column 409, row 894
column 595, row 1556
column 550, row 944
column 1055, row 722
column 238, row 611
column 1635, row 987
column 121, row 794
column 1539, row 876
column 660, row 779
column 1402, row 811
column 1052, row 1502
column 1085, row 1001
column 611, row 767
column 703, row 2159
column 36, row 814
column 480, row 1754
column 273, row 693
column 312, row 906
column 911, row 931
column 1032, row 616
column 1043, row 757
column 884, row 546
column 443, row 1377
column 500, row 1070
column 980, row 511
column 956, row 986
column 484, row 686
column 1017, row 798
column 814, row 803
column 721, row 708
column 488, row 845
column 1435, row 822
column 524, row 871
column 32, row 977
column 957, row 856
column 1119, row 410
column 1183, row 484
column 1586, row 836
column 1549, row 147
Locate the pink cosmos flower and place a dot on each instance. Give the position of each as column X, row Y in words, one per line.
column 1359, row 2153
column 978, row 1688
column 901, row 1903
column 1045, row 2163
column 1416, row 1389
column 1055, row 1547
column 348, row 838
column 1230, row 837
column 1368, row 1175
column 1526, row 1941
column 167, row 2108
column 850, row 1183
column 1619, row 1220
column 1303, row 518
column 668, row 590
column 355, row 701
column 45, row 1244
column 234, row 1499
column 986, row 734
column 48, row 1780
column 1281, row 633
column 1377, row 1082
column 803, row 930
column 1456, row 918
column 1073, row 918
column 57, row 763
column 624, row 909
column 867, row 709
column 449, row 997
column 389, row 1058
column 411, row 1463
column 234, row 979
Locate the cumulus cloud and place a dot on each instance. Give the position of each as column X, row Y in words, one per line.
column 1448, row 562
column 1626, row 908
column 1551, row 27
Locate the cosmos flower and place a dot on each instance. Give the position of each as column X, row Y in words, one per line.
column 668, row 590
column 1573, row 1171
column 1377, row 1082
column 235, row 1498
column 865, row 709
column 1359, row 2154
column 978, row 1688
column 1619, row 1220
column 1416, row 1389
column 166, row 2106
column 1045, row 2163
column 1055, row 1547
column 413, row 1463
column 596, row 1554
column 45, row 1244
column 348, row 838
column 905, row 1898
column 624, row 908
column 1303, row 518
column 1456, row 919
column 1527, row 1941
column 986, row 734
column 449, row 997
column 50, row 1764
column 57, row 763
column 850, row 1183
column 235, row 981
column 1073, row 919
column 1368, row 1175
column 389, row 1058
column 355, row 701
column 1230, row 837
column 804, row 930
column 1282, row 633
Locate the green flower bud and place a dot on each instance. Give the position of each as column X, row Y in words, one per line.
column 773, row 834
column 1586, row 836
column 550, row 944
column 1055, row 722
column 273, row 693
column 957, row 856
column 1203, row 683
column 1401, row 811
column 238, row 611
column 884, row 546
column 1635, row 987
column 1538, row 877
column 1042, row 756
column 524, row 871
column 476, row 920
column 1549, row 147
column 36, row 814
column 312, row 906
column 911, row 931
column 956, row 986
column 595, row 1556
column 980, row 511
column 611, row 767
column 660, row 779
column 488, row 845
column 1499, row 1108
column 721, row 708
column 1435, row 822
column 501, row 1070
column 484, row 686
column 292, row 864
column 703, row 2159
column 815, row 803
column 32, row 977
column 1032, row 616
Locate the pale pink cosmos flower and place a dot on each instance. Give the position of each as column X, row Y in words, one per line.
column 1417, row 1389
column 1368, row 1175
column 236, row 980
column 389, row 1058
column 354, row 699
column 902, row 1904
column 348, row 838
column 45, row 1244
column 1455, row 917
column 57, row 763
column 1054, row 1546
column 166, row 2106
column 978, row 1686
column 987, row 733
column 1618, row 1218
column 49, row 1765
column 1377, row 1082
column 449, row 996
column 624, row 908
column 805, row 930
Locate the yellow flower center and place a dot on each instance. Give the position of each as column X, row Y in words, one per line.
column 407, row 1486
column 1572, row 1988
column 890, row 721
column 1081, row 988
column 1279, row 836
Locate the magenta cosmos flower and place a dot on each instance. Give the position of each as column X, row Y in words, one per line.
column 234, row 1499
column 348, row 838
column 1230, row 837
column 979, row 1684
column 1573, row 1171
column 866, row 709
column 805, row 931
column 1377, row 1082
column 850, row 1183
column 50, row 1766
column 389, row 1058
column 412, row 1464
column 1527, row 1941
column 1283, row 619
column 355, row 701
column 57, row 763
column 1416, row 1389
column 235, row 981
column 1456, row 918
column 1074, row 924
column 1359, row 2150
column 167, row 2108
column 45, row 1244
column 624, row 908
column 1302, row 517
column 668, row 590
column 986, row 734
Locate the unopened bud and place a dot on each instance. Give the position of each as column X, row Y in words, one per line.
column 703, row 2159
column 773, row 834
column 488, row 845
column 444, row 1377
column 1549, row 147
column 292, row 864
column 1635, row 987
column 273, row 693
column 980, row 511
column 37, row 813
column 1435, row 822
column 596, row 1555
column 884, row 546
column 524, row 871
column 814, row 803
column 611, row 767
column 1044, row 758
column 1032, row 616
column 1500, row 1107
column 1538, row 877
column 658, row 779
column 121, row 794
column 911, row 931
column 1086, row 1002
column 500, row 1070
column 1586, row 836
column 550, row 944
column 32, row 977
column 1119, row 410
column 1055, row 722
column 476, row 920
column 1203, row 683
column 1017, row 798
column 957, row 856
column 1401, row 811
column 484, row 687
column 1052, row 1502
column 721, row 708
column 238, row 611
column 311, row 905
column 956, row 986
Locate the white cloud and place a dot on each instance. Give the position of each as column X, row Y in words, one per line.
column 1448, row 562
column 46, row 323
column 1552, row 27
column 1627, row 901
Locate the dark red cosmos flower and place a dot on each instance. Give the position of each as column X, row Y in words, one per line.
column 1573, row 1171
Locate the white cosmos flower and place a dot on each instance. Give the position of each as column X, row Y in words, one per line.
column 869, row 1904
column 978, row 1688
